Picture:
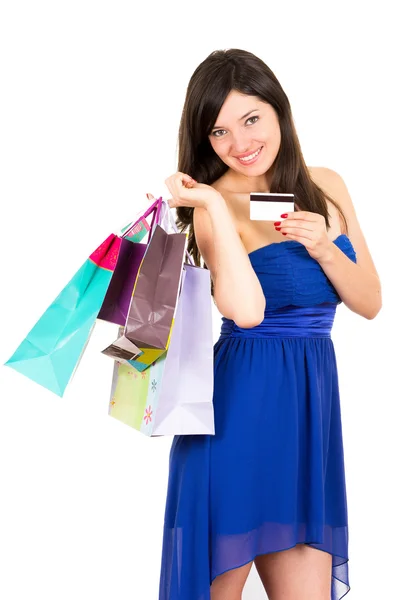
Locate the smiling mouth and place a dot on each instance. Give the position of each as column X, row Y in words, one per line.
column 251, row 157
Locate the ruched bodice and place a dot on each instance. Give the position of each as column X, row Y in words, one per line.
column 290, row 276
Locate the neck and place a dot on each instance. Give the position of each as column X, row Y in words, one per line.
column 246, row 184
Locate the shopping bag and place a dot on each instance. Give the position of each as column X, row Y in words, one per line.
column 52, row 349
column 154, row 300
column 174, row 394
column 118, row 296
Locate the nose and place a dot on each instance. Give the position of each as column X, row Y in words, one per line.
column 241, row 143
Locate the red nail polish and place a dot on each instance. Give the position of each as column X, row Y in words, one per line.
column 284, row 234
column 277, row 228
column 284, row 216
column 277, row 223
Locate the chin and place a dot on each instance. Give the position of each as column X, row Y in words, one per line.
column 254, row 170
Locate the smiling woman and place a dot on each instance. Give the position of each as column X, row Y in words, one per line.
column 245, row 140
column 269, row 488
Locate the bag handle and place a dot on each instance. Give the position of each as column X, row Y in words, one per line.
column 156, row 218
column 172, row 224
column 155, row 207
column 162, row 212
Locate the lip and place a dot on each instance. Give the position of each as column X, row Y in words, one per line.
column 247, row 153
column 249, row 162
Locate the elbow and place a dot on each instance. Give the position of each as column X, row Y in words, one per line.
column 248, row 323
column 246, row 313
column 373, row 314
column 250, row 319
column 376, row 307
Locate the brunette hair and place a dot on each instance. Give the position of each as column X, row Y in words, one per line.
column 220, row 73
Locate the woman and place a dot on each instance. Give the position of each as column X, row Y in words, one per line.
column 269, row 487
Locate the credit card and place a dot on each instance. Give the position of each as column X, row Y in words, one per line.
column 268, row 206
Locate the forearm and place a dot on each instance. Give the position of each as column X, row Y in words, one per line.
column 237, row 290
column 359, row 289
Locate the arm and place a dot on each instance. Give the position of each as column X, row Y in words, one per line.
column 237, row 291
column 358, row 285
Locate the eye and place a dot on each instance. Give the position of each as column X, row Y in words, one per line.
column 214, row 133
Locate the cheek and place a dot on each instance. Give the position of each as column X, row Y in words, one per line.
column 275, row 132
column 214, row 145
column 271, row 138
column 266, row 134
column 220, row 147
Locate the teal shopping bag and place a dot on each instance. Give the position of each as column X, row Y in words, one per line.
column 52, row 349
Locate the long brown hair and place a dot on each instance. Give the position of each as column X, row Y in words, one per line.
column 220, row 73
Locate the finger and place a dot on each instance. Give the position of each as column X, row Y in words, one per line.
column 175, row 178
column 306, row 242
column 171, row 203
column 297, row 238
column 298, row 232
column 186, row 179
column 185, row 183
column 298, row 224
column 303, row 215
column 177, row 185
column 179, row 189
column 182, row 175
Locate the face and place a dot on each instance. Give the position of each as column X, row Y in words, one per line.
column 246, row 135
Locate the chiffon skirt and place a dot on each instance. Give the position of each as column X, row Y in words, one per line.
column 273, row 474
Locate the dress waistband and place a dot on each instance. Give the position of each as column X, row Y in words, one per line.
column 287, row 321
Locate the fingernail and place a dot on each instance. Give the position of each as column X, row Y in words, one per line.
column 283, row 233
column 277, row 223
column 277, row 228
column 284, row 216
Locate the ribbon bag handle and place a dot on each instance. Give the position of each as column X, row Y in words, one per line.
column 167, row 221
column 155, row 207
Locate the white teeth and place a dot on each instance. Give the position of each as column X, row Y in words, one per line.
column 251, row 156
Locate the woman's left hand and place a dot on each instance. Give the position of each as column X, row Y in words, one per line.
column 309, row 229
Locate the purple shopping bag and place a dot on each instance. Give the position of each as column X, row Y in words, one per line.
column 117, row 300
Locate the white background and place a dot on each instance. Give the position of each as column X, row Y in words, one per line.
column 90, row 105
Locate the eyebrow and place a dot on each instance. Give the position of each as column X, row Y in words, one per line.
column 240, row 119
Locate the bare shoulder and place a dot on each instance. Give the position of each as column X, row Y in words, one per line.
column 332, row 182
column 323, row 178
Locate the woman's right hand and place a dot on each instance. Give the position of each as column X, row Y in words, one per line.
column 185, row 191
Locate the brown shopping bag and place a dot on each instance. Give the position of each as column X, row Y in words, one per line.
column 154, row 301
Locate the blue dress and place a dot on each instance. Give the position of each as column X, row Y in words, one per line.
column 273, row 474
